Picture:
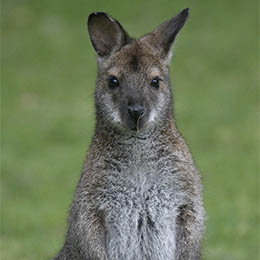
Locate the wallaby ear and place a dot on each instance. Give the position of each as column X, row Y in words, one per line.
column 163, row 37
column 106, row 34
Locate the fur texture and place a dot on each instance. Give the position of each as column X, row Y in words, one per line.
column 139, row 196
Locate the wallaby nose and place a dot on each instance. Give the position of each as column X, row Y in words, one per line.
column 135, row 111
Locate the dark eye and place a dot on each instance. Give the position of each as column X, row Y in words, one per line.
column 156, row 82
column 113, row 82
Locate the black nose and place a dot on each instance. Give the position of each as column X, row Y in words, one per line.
column 135, row 111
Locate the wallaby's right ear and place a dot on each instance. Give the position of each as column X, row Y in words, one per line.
column 107, row 35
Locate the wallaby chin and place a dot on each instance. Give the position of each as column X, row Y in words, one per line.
column 139, row 196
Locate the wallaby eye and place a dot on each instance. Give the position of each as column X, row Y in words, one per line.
column 113, row 82
column 156, row 82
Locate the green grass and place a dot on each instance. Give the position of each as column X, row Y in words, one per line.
column 48, row 81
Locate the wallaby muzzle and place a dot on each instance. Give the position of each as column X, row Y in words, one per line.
column 134, row 113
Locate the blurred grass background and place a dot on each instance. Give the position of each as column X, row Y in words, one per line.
column 48, row 78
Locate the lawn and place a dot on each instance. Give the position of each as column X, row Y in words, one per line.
column 48, row 79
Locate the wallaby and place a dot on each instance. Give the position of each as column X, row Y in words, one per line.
column 139, row 196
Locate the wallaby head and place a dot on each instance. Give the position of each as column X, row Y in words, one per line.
column 133, row 88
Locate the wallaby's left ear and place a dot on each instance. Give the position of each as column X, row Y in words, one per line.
column 163, row 37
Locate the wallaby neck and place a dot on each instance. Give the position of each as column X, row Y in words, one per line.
column 124, row 140
column 135, row 149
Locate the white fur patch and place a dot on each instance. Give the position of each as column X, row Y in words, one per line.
column 115, row 116
column 153, row 115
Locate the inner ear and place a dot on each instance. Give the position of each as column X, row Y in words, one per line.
column 106, row 34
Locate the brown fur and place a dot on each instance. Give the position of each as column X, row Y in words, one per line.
column 140, row 195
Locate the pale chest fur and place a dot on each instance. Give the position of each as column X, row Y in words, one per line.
column 138, row 193
column 140, row 208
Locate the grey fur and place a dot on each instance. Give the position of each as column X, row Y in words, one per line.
column 139, row 196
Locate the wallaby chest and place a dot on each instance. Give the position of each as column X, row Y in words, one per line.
column 139, row 209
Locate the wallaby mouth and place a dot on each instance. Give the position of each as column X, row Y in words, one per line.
column 138, row 125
